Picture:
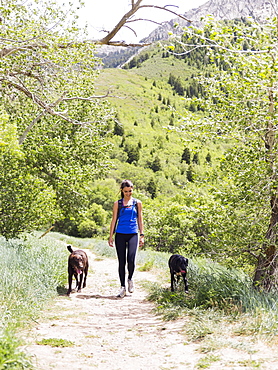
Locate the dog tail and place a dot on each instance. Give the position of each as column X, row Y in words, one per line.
column 69, row 248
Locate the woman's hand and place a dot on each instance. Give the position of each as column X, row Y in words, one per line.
column 141, row 241
column 111, row 242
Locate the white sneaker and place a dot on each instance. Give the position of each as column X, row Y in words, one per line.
column 121, row 293
column 130, row 286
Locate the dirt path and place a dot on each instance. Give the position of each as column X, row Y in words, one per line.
column 110, row 333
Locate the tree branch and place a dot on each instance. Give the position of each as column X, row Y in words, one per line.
column 4, row 52
column 106, row 40
column 29, row 128
column 12, row 79
column 167, row 10
column 217, row 46
column 127, row 18
column 87, row 99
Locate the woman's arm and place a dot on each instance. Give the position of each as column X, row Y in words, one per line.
column 140, row 222
column 113, row 223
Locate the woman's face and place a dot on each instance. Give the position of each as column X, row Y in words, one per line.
column 127, row 191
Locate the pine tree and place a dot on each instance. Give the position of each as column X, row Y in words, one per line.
column 118, row 128
column 152, row 188
column 133, row 153
column 189, row 175
column 196, row 158
column 208, row 158
column 156, row 165
column 186, row 156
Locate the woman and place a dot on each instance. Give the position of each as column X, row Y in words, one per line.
column 128, row 212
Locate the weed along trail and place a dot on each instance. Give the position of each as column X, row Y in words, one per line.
column 93, row 329
column 104, row 332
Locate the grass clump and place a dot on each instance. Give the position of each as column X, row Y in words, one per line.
column 10, row 357
column 31, row 271
column 207, row 361
column 147, row 266
column 56, row 342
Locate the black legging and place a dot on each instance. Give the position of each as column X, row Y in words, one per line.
column 126, row 247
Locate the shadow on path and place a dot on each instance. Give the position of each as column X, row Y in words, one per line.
column 97, row 296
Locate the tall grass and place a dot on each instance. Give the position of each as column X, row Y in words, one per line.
column 216, row 286
column 31, row 271
column 227, row 291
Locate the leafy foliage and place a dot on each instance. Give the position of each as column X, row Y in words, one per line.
column 26, row 201
column 58, row 128
column 242, row 107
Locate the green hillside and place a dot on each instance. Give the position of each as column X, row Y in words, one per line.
column 150, row 112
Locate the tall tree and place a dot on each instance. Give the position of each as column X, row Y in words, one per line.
column 241, row 106
column 47, row 99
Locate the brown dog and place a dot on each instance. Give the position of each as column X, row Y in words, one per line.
column 78, row 266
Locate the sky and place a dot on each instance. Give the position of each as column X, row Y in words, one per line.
column 105, row 14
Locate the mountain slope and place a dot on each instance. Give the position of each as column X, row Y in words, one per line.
column 220, row 10
column 146, row 107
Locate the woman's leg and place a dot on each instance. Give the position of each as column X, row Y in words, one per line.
column 120, row 242
column 131, row 254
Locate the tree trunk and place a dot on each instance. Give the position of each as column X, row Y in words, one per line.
column 266, row 274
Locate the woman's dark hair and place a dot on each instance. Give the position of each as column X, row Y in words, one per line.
column 125, row 184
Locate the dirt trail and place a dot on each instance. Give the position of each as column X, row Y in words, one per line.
column 110, row 333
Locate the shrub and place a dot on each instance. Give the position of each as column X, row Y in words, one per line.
column 97, row 214
column 88, row 228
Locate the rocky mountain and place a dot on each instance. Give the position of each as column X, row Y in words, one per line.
column 220, row 10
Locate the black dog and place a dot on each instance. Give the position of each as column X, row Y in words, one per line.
column 178, row 266
column 78, row 266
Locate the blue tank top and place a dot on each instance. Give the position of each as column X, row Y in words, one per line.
column 127, row 220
